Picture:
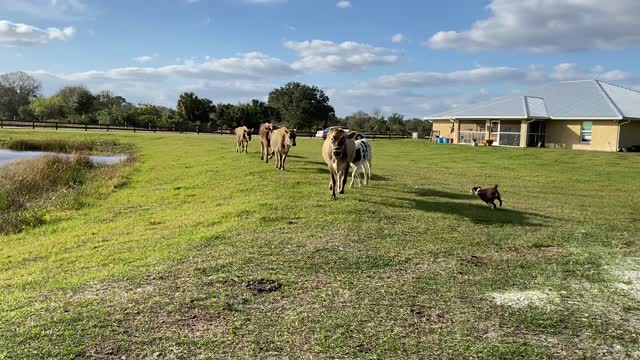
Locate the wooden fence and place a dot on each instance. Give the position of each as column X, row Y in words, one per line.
column 55, row 125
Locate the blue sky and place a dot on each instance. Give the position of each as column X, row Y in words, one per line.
column 408, row 56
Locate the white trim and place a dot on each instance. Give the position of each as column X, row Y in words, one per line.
column 584, row 118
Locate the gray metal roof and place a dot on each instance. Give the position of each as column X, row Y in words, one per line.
column 591, row 99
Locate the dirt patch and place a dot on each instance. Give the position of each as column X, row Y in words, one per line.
column 263, row 286
column 522, row 299
column 474, row 260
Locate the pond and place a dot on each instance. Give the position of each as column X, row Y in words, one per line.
column 7, row 156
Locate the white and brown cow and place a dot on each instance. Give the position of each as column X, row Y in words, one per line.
column 361, row 163
column 243, row 136
column 281, row 141
column 338, row 152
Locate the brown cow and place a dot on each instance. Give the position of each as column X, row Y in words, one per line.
column 265, row 141
column 243, row 136
column 338, row 152
column 281, row 141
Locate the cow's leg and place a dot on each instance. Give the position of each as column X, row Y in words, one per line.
column 237, row 146
column 261, row 150
column 343, row 177
column 333, row 184
column 284, row 160
column 353, row 176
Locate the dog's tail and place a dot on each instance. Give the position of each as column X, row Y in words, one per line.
column 496, row 187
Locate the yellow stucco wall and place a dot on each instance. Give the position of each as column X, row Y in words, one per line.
column 566, row 134
column 444, row 126
column 630, row 134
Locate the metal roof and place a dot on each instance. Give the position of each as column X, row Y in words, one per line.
column 586, row 99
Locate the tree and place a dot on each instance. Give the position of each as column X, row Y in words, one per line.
column 106, row 99
column 77, row 102
column 396, row 123
column 194, row 110
column 359, row 120
column 148, row 115
column 17, row 89
column 117, row 115
column 302, row 106
column 419, row 125
column 47, row 108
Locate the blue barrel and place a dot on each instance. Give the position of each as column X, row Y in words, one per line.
column 446, row 140
column 440, row 140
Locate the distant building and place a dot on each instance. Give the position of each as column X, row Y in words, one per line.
column 586, row 115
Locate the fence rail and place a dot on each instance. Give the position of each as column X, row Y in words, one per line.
column 188, row 129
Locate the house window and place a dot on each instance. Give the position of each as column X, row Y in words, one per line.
column 585, row 132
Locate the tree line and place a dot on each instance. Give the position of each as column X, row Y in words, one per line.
column 296, row 105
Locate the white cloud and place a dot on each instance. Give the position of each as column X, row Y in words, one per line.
column 231, row 79
column 145, row 58
column 320, row 55
column 12, row 34
column 47, row 9
column 549, row 25
column 424, row 79
column 397, row 38
column 574, row 72
column 343, row 4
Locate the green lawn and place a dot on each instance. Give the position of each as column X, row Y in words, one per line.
column 412, row 266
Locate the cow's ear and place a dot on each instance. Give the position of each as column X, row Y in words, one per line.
column 352, row 135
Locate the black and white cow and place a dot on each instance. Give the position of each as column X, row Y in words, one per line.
column 361, row 163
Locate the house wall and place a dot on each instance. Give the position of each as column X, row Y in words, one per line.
column 444, row 126
column 630, row 134
column 566, row 134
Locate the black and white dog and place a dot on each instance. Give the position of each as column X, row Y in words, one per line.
column 361, row 162
column 488, row 195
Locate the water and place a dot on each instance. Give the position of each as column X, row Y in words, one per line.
column 7, row 156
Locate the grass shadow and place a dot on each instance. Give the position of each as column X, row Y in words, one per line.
column 422, row 192
column 480, row 214
column 375, row 177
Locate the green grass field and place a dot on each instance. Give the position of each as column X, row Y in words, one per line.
column 412, row 266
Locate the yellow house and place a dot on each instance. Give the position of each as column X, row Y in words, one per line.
column 586, row 115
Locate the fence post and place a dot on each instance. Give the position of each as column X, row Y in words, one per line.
column 107, row 127
column 134, row 129
column 1, row 123
column 56, row 125
column 197, row 130
column 85, row 127
column 33, row 124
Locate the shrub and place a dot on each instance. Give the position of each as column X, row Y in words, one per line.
column 61, row 146
column 28, row 187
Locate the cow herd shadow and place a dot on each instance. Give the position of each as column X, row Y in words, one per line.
column 463, row 204
column 460, row 204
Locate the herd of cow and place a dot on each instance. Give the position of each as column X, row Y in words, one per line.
column 340, row 151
